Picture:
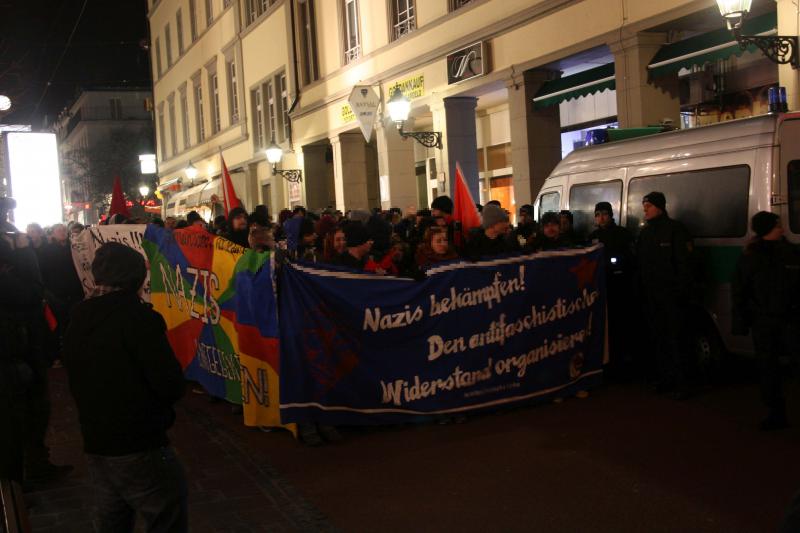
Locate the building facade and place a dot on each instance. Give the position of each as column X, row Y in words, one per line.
column 100, row 136
column 511, row 86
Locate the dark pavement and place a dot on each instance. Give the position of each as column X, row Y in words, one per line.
column 623, row 460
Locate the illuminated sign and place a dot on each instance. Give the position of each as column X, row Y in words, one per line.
column 466, row 63
column 364, row 103
column 34, row 177
column 412, row 87
column 347, row 114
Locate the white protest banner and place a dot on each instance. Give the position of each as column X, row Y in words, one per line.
column 90, row 239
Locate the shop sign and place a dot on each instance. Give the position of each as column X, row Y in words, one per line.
column 466, row 63
column 294, row 192
column 412, row 87
column 364, row 103
column 346, row 114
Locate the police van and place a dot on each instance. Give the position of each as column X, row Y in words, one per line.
column 714, row 177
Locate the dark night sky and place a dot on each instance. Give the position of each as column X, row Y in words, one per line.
column 105, row 51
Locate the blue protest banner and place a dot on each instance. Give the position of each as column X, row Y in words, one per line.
column 360, row 349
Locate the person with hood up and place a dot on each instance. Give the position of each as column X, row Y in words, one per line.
column 237, row 227
column 300, row 239
column 359, row 243
column 125, row 380
column 766, row 300
column 492, row 237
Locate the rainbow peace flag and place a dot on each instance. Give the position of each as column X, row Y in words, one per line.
column 218, row 301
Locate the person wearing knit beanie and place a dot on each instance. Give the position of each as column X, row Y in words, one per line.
column 656, row 199
column 493, row 214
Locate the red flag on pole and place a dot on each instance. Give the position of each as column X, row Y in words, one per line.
column 118, row 204
column 228, row 192
column 464, row 209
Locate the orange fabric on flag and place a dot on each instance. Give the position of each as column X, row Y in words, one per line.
column 464, row 209
column 228, row 192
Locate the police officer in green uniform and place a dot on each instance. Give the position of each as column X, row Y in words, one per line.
column 663, row 252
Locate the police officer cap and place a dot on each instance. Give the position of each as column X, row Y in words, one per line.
column 657, row 199
column 601, row 207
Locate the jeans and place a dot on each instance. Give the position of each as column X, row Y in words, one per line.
column 152, row 483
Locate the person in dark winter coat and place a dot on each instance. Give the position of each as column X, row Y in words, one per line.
column 526, row 229
column 549, row 237
column 663, row 251
column 492, row 238
column 618, row 252
column 568, row 235
column 125, row 379
column 435, row 248
column 64, row 288
column 766, row 300
column 359, row 244
column 237, row 226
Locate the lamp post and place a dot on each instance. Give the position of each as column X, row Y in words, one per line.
column 782, row 49
column 274, row 156
column 399, row 107
column 147, row 163
column 5, row 102
column 191, row 171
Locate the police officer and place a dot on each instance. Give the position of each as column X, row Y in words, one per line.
column 663, row 252
column 618, row 248
column 766, row 299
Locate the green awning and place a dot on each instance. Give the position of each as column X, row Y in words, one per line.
column 581, row 84
column 708, row 47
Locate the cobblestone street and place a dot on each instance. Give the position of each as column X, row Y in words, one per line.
column 624, row 460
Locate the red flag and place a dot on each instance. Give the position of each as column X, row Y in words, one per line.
column 228, row 192
column 464, row 210
column 118, row 204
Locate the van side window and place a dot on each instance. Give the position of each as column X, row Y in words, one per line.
column 710, row 202
column 793, row 172
column 550, row 201
column 583, row 198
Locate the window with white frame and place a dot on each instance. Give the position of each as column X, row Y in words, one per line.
column 115, row 107
column 213, row 83
column 179, row 31
column 193, row 19
column 272, row 115
column 209, row 12
column 260, row 136
column 352, row 33
column 233, row 91
column 173, row 126
column 307, row 36
column 198, row 111
column 157, row 52
column 284, row 106
column 185, row 117
column 162, row 140
column 457, row 4
column 404, row 19
column 168, row 44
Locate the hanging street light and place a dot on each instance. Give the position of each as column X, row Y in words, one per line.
column 274, row 156
column 5, row 102
column 399, row 107
column 781, row 49
column 144, row 190
column 147, row 162
column 191, row 171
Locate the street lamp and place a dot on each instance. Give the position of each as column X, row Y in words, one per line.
column 399, row 107
column 274, row 156
column 5, row 102
column 144, row 190
column 147, row 162
column 191, row 171
column 781, row 49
